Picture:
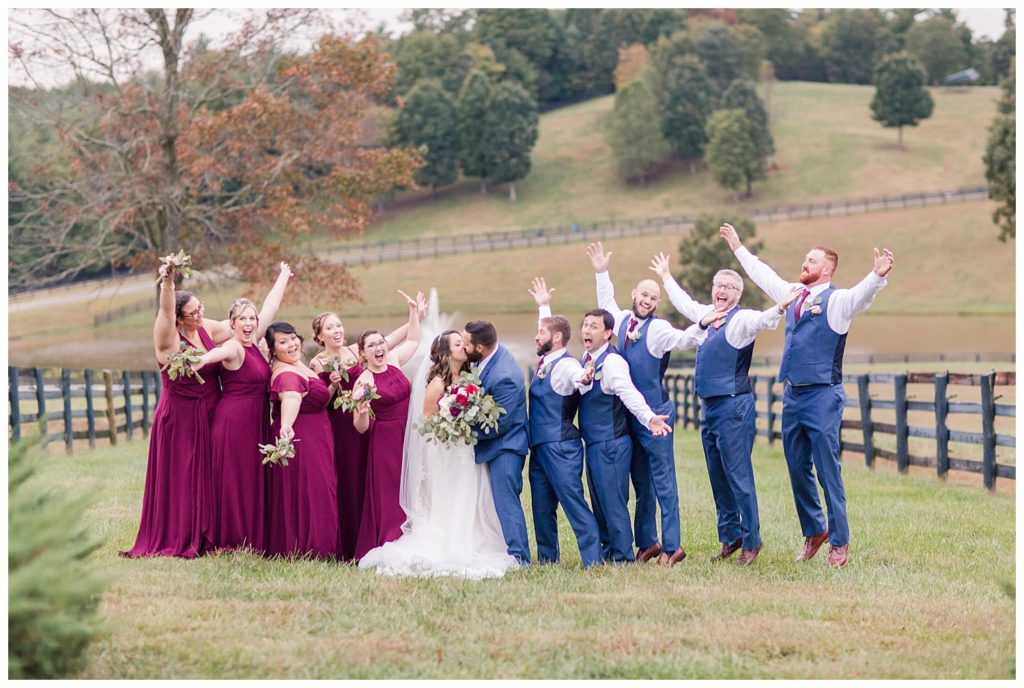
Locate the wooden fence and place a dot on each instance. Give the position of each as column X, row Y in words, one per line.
column 866, row 404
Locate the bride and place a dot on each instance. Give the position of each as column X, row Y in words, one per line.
column 452, row 528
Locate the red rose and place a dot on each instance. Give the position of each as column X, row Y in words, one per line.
column 472, row 389
column 461, row 399
column 455, row 411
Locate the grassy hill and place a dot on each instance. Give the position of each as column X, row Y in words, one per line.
column 827, row 147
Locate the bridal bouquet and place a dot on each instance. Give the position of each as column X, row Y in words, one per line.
column 333, row 364
column 180, row 263
column 277, row 454
column 347, row 400
column 462, row 408
column 182, row 362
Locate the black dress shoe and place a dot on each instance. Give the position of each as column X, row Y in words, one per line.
column 728, row 549
column 648, row 553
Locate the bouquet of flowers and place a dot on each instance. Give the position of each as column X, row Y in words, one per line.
column 333, row 364
column 277, row 454
column 462, row 408
column 180, row 263
column 347, row 399
column 182, row 362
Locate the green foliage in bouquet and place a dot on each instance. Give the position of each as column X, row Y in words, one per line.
column 180, row 263
column 333, row 364
column 277, row 454
column 347, row 400
column 181, row 362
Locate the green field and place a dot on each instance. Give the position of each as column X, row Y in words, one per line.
column 928, row 594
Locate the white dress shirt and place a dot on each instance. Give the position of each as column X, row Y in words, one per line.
column 564, row 377
column 615, row 381
column 661, row 336
column 742, row 328
column 842, row 305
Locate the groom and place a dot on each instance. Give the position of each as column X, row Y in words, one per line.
column 504, row 449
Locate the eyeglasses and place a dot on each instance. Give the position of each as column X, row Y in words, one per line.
column 375, row 345
column 197, row 313
column 727, row 287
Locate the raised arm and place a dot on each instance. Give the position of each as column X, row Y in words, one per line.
column 599, row 260
column 273, row 301
column 404, row 351
column 846, row 303
column 165, row 331
column 542, row 295
column 398, row 335
column 684, row 303
column 762, row 275
column 229, row 350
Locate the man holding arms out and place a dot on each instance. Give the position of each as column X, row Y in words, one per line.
column 812, row 371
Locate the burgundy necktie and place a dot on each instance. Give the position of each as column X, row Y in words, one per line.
column 629, row 331
column 800, row 302
column 540, row 362
column 587, row 359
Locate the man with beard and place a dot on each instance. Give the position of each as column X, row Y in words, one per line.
column 646, row 342
column 812, row 372
column 556, row 451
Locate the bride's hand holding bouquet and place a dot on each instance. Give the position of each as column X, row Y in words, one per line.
column 464, row 407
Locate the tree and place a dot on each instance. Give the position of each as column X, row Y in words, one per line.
column 632, row 60
column 471, row 115
column 234, row 155
column 724, row 57
column 702, row 253
column 510, row 134
column 425, row 54
column 754, row 46
column 851, row 42
column 427, row 119
column 1001, row 159
column 937, row 45
column 732, row 155
column 685, row 96
column 743, row 94
column 1005, row 48
column 787, row 42
column 634, row 135
column 900, row 97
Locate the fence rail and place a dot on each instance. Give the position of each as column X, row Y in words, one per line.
column 686, row 358
column 364, row 253
column 148, row 304
column 681, row 390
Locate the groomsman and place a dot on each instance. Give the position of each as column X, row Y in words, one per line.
column 812, row 371
column 646, row 342
column 607, row 392
column 727, row 402
column 556, row 451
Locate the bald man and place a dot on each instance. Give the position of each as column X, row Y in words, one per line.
column 646, row 342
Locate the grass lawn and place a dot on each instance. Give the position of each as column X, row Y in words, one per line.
column 926, row 595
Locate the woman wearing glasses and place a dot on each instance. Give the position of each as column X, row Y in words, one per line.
column 177, row 499
column 383, row 516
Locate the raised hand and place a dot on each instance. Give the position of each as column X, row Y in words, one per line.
column 790, row 298
column 418, row 303
column 540, row 292
column 659, row 426
column 285, row 269
column 728, row 232
column 713, row 319
column 598, row 258
column 659, row 266
column 167, row 275
column 883, row 262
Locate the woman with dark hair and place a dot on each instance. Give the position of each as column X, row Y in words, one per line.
column 302, row 497
column 452, row 526
column 349, row 445
column 241, row 422
column 382, row 516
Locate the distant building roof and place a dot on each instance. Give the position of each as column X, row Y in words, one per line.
column 968, row 76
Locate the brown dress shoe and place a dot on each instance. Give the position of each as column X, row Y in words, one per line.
column 648, row 553
column 837, row 556
column 747, row 556
column 728, row 549
column 812, row 545
column 670, row 560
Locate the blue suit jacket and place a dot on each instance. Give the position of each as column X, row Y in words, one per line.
column 504, row 381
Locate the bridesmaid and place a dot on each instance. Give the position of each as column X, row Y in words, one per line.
column 241, row 422
column 350, row 446
column 176, row 499
column 383, row 516
column 302, row 498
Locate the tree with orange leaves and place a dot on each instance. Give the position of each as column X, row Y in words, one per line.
column 234, row 153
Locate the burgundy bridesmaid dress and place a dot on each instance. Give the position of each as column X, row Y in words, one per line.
column 241, row 423
column 177, row 498
column 302, row 498
column 382, row 514
column 350, row 448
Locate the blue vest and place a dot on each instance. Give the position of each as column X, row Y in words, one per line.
column 813, row 353
column 722, row 369
column 603, row 416
column 551, row 414
column 645, row 370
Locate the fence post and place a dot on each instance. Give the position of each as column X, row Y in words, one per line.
column 90, row 413
column 900, row 398
column 126, row 380
column 44, row 425
column 108, row 390
column 771, row 410
column 696, row 407
column 941, row 431
column 867, row 427
column 145, row 402
column 988, row 431
column 686, row 401
column 13, row 396
column 65, row 390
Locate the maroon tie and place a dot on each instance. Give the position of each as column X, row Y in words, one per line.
column 629, row 331
column 800, row 302
column 587, row 359
column 540, row 362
